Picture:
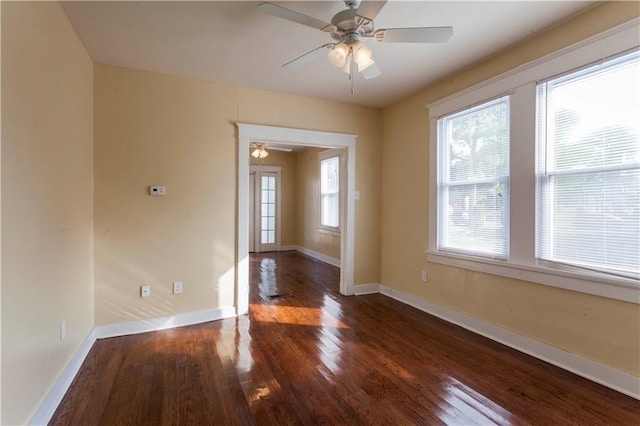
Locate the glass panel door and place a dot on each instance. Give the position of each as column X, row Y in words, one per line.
column 268, row 211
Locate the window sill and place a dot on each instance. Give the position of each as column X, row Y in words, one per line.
column 329, row 231
column 627, row 290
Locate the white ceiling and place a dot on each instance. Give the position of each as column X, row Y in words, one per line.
column 232, row 42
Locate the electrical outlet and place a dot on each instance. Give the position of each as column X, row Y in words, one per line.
column 63, row 329
column 145, row 291
column 157, row 190
column 177, row 287
column 423, row 276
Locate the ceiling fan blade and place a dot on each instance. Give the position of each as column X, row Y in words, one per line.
column 307, row 57
column 370, row 9
column 372, row 71
column 279, row 148
column 292, row 15
column 414, row 35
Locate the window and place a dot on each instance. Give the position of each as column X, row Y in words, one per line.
column 588, row 173
column 473, row 184
column 535, row 174
column 330, row 192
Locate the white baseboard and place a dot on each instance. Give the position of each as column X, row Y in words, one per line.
column 362, row 289
column 52, row 399
column 312, row 253
column 319, row 256
column 163, row 323
column 607, row 376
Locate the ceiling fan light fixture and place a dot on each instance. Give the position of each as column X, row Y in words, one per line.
column 339, row 55
column 259, row 152
column 361, row 52
column 363, row 65
column 346, row 68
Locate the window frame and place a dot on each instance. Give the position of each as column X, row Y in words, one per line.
column 444, row 169
column 520, row 83
column 327, row 155
column 546, row 173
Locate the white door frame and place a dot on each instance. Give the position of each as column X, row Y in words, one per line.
column 259, row 170
column 248, row 133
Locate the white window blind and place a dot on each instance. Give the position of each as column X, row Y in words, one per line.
column 588, row 168
column 330, row 192
column 473, row 180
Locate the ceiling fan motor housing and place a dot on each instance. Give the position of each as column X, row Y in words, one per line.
column 348, row 22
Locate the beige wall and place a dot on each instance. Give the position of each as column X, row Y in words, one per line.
column 287, row 162
column 308, row 234
column 154, row 129
column 604, row 330
column 47, row 185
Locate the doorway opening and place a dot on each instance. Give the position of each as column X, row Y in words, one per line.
column 252, row 133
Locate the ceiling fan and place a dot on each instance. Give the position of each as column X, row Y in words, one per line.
column 260, row 150
column 348, row 29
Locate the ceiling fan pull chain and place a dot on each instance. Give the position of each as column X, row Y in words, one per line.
column 351, row 63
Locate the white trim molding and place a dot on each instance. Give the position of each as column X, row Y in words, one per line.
column 163, row 323
column 54, row 396
column 248, row 133
column 318, row 256
column 619, row 288
column 625, row 383
column 362, row 289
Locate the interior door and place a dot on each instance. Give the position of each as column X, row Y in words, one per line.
column 264, row 208
column 268, row 193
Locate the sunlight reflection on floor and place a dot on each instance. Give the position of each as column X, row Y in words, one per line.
column 473, row 405
column 295, row 315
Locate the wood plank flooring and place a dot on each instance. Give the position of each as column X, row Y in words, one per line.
column 321, row 358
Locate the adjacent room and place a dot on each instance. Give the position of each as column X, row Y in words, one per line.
column 304, row 212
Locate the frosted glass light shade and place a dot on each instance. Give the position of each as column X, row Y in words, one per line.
column 361, row 53
column 339, row 55
column 259, row 152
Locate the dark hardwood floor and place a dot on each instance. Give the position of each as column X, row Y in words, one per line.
column 321, row 358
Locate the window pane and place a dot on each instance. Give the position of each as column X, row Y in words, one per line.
column 589, row 167
column 329, row 192
column 473, row 171
column 477, row 218
column 478, row 143
column 597, row 219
